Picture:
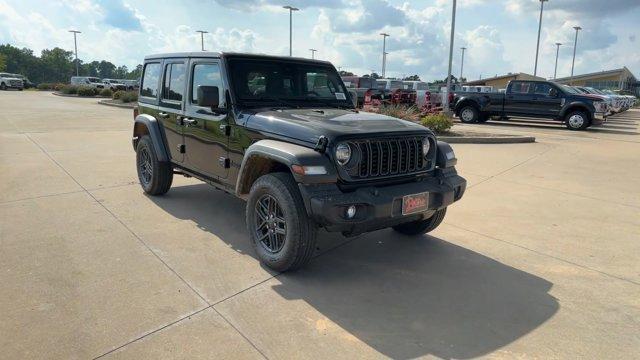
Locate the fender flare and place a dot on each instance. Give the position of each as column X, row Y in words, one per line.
column 154, row 131
column 464, row 101
column 286, row 154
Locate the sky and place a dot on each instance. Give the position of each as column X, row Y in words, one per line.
column 500, row 35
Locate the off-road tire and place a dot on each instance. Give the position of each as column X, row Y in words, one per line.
column 301, row 231
column 161, row 173
column 471, row 119
column 571, row 125
column 422, row 226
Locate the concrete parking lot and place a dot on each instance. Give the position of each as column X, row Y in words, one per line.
column 540, row 259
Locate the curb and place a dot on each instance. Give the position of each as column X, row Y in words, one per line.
column 487, row 139
column 77, row 96
column 122, row 105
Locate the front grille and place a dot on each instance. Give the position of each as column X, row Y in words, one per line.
column 391, row 157
column 15, row 82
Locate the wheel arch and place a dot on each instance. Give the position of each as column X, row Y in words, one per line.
column 576, row 107
column 462, row 103
column 268, row 156
column 145, row 124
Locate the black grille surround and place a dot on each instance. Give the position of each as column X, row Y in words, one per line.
column 389, row 157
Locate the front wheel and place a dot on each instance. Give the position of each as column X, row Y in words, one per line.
column 281, row 233
column 469, row 115
column 576, row 120
column 422, row 226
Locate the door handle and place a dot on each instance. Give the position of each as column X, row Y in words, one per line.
column 163, row 115
column 189, row 121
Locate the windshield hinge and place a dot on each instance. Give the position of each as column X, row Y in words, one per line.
column 321, row 145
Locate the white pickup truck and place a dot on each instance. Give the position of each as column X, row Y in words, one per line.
column 9, row 81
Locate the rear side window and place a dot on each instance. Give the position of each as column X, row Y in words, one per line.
column 149, row 87
column 206, row 75
column 174, row 82
column 520, row 87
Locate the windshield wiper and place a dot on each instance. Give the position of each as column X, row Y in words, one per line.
column 334, row 105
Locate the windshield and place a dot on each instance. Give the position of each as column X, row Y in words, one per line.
column 93, row 80
column 277, row 82
column 569, row 89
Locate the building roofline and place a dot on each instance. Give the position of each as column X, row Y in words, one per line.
column 597, row 73
column 472, row 82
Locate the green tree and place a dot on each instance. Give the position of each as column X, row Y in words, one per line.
column 106, row 69
column 57, row 65
column 412, row 78
column 3, row 62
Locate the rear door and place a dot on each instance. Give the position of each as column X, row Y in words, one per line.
column 171, row 108
column 519, row 97
column 205, row 131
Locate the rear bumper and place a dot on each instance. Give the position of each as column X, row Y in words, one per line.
column 379, row 207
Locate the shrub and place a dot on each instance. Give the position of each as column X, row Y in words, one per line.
column 58, row 86
column 129, row 96
column 69, row 89
column 86, row 91
column 117, row 95
column 45, row 86
column 404, row 112
column 438, row 123
column 106, row 93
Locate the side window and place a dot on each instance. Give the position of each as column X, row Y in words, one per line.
column 174, row 82
column 520, row 87
column 542, row 89
column 149, row 86
column 206, row 75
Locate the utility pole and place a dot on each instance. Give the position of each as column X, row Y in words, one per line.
column 445, row 101
column 291, row 10
column 202, row 32
column 575, row 45
column 462, row 61
column 555, row 71
column 384, row 52
column 313, row 52
column 75, row 44
column 535, row 67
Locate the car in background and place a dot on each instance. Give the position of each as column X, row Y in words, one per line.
column 89, row 81
column 613, row 103
column 130, row 84
column 114, row 84
column 10, row 81
column 394, row 92
column 479, row 88
column 362, row 86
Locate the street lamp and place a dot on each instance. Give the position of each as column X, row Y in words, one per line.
column 313, row 52
column 384, row 53
column 462, row 61
column 202, row 32
column 555, row 71
column 535, row 67
column 575, row 45
column 291, row 10
column 75, row 45
column 445, row 101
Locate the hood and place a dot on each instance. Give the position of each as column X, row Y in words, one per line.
column 309, row 124
column 587, row 97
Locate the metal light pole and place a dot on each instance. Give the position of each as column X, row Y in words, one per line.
column 75, row 44
column 575, row 45
column 445, row 101
column 313, row 53
column 555, row 71
column 291, row 10
column 462, row 61
column 384, row 53
column 535, row 67
column 202, row 32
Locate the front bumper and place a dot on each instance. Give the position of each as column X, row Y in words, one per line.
column 379, row 207
column 599, row 118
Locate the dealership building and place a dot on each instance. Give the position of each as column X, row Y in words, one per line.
column 619, row 79
column 500, row 82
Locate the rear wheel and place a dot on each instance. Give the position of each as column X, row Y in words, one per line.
column 155, row 176
column 469, row 114
column 422, row 226
column 577, row 120
column 281, row 232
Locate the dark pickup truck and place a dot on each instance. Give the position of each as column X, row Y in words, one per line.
column 540, row 99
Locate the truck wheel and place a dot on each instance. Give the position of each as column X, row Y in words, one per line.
column 469, row 115
column 422, row 226
column 3, row 86
column 576, row 120
column 155, row 176
column 281, row 232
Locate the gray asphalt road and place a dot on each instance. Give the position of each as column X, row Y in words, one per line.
column 538, row 260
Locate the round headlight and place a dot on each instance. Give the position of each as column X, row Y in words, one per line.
column 343, row 153
column 426, row 145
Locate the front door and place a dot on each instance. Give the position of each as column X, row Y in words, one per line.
column 171, row 109
column 545, row 104
column 205, row 131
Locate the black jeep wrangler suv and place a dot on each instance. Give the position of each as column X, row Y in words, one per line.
column 282, row 133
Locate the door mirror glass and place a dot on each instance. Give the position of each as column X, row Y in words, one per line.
column 553, row 92
column 208, row 96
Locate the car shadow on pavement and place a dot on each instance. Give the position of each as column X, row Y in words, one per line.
column 524, row 124
column 405, row 297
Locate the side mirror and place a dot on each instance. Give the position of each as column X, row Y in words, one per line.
column 553, row 92
column 208, row 96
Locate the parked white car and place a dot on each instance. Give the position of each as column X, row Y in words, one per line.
column 114, row 84
column 89, row 81
column 10, row 81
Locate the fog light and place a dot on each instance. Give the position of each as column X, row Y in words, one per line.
column 351, row 212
